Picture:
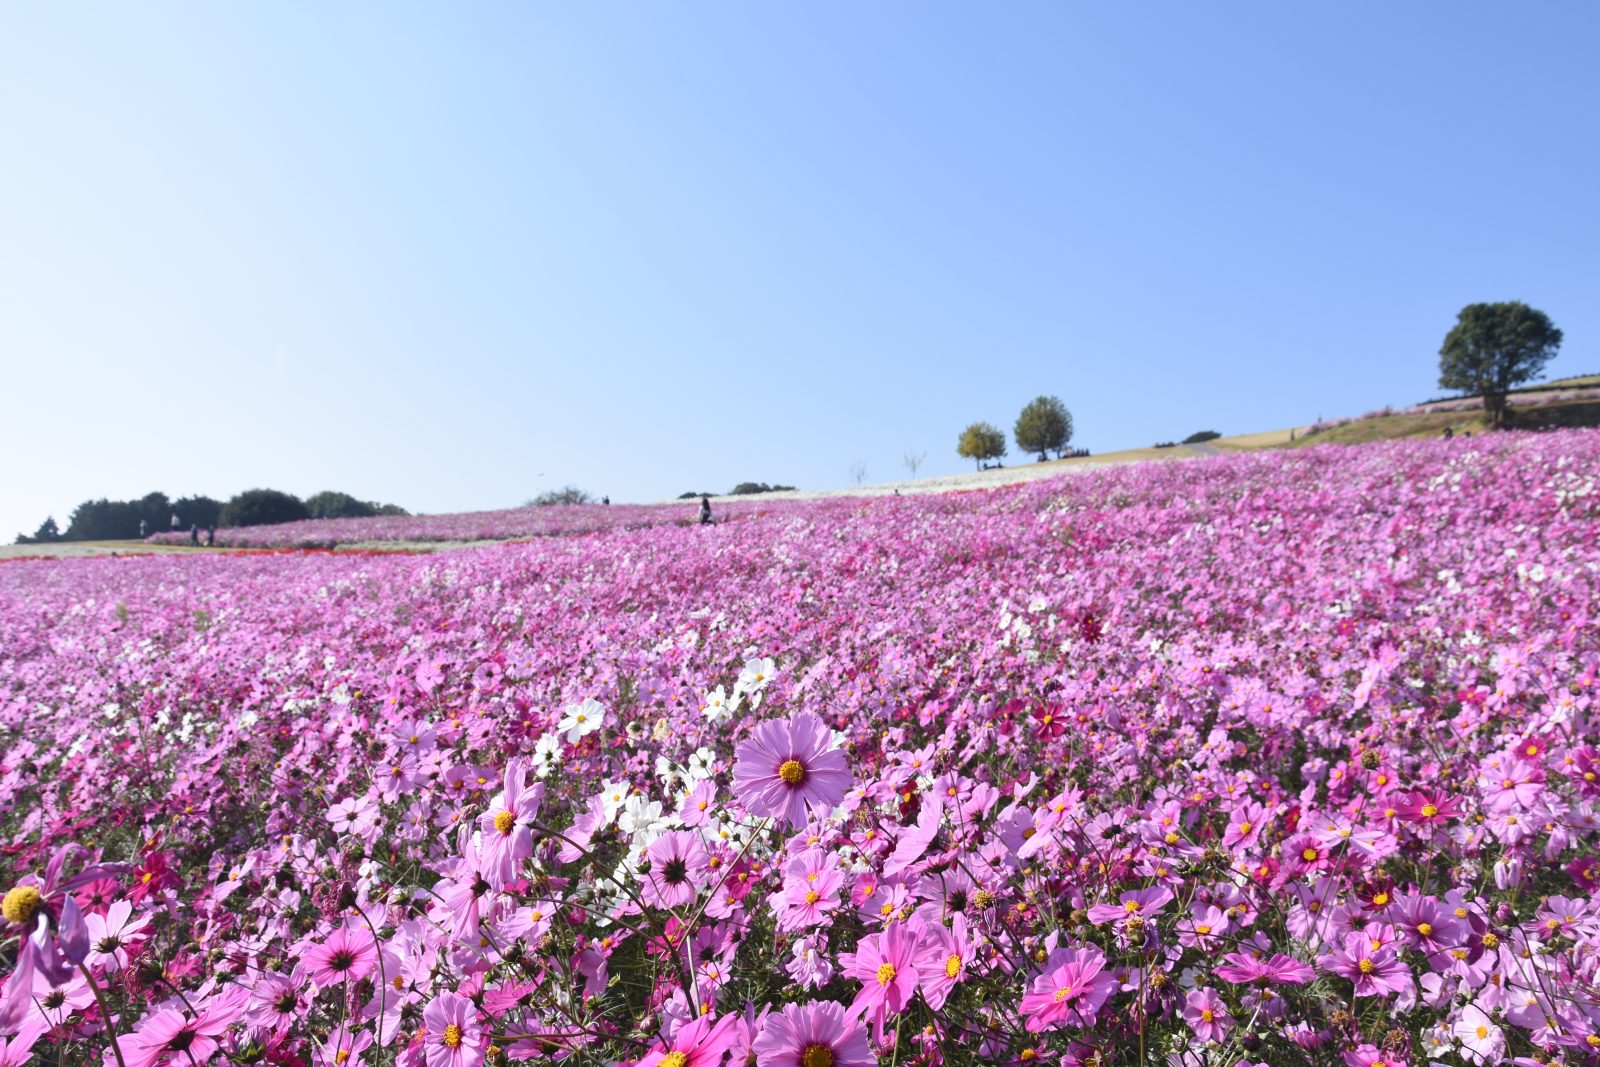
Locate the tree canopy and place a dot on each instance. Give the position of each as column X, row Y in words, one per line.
column 1044, row 426
column 1495, row 347
column 263, row 507
column 981, row 441
column 331, row 504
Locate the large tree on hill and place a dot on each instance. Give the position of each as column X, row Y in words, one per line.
column 1045, row 425
column 332, row 504
column 262, row 507
column 1495, row 347
column 981, row 441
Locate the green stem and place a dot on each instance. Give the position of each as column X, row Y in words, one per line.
column 111, row 1026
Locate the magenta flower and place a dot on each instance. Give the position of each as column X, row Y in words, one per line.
column 678, row 865
column 1376, row 971
column 453, row 1037
column 942, row 960
column 1141, row 904
column 346, row 956
column 1278, row 969
column 699, row 1043
column 885, row 965
column 1207, row 1015
column 506, row 828
column 805, row 1035
column 785, row 767
column 1372, row 1056
column 1070, row 992
column 811, row 889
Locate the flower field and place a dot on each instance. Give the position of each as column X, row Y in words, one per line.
column 558, row 520
column 1280, row 758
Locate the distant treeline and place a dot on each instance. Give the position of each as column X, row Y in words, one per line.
column 122, row 520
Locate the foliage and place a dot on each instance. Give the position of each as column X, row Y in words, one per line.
column 117, row 520
column 201, row 511
column 980, row 442
column 1045, row 425
column 331, row 504
column 1201, row 437
column 752, row 488
column 262, row 507
column 567, row 494
column 1494, row 347
column 47, row 533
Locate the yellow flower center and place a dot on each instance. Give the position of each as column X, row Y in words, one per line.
column 20, row 903
column 952, row 966
column 1202, row 928
column 1172, row 838
column 342, row 1055
column 452, row 1036
column 1429, row 810
column 1483, row 1032
column 1592, row 1041
column 885, row 973
column 791, row 772
column 675, row 1059
column 504, row 821
column 817, row 1056
column 1064, row 992
column 1365, row 966
column 1309, row 855
column 1246, row 827
column 1490, row 941
column 812, row 896
column 1380, row 899
column 1425, row 929
column 1131, row 906
column 1208, row 1015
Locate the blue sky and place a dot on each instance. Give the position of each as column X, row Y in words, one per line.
column 451, row 255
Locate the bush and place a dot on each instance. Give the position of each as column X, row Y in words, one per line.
column 330, row 504
column 567, row 494
column 751, row 488
column 1201, row 437
column 1165, row 444
column 263, row 507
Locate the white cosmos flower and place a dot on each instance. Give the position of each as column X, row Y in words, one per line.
column 546, row 754
column 581, row 720
column 719, row 707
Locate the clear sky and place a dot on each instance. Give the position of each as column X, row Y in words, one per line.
column 449, row 255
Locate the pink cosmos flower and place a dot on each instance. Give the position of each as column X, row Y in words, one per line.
column 171, row 1036
column 810, row 890
column 785, row 767
column 678, row 865
column 1372, row 1056
column 346, row 956
column 1070, row 992
column 453, row 1037
column 942, row 960
column 805, row 1035
column 1142, row 903
column 699, row 1043
column 1481, row 1040
column 1207, row 1015
column 16, row 1052
column 506, row 828
column 885, row 965
column 113, row 938
column 344, row 1046
column 1376, row 972
column 1278, row 969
